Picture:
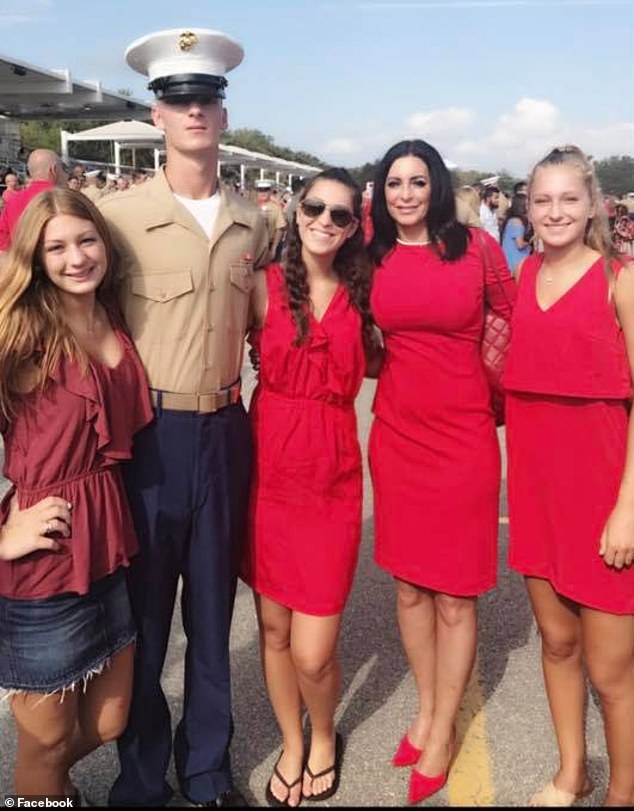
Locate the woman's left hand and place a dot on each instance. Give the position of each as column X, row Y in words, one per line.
column 617, row 539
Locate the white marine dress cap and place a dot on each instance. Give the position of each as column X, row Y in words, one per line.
column 185, row 61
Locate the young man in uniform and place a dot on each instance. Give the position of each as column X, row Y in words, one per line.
column 189, row 251
column 273, row 214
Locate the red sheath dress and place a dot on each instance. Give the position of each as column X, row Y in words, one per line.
column 434, row 453
column 305, row 515
column 67, row 441
column 568, row 384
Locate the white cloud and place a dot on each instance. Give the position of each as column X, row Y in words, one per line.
column 440, row 122
column 340, row 146
column 393, row 5
column 614, row 139
column 7, row 20
column 518, row 137
column 528, row 118
column 514, row 140
column 16, row 12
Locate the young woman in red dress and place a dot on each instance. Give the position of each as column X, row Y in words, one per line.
column 311, row 327
column 570, row 442
column 434, row 453
column 72, row 394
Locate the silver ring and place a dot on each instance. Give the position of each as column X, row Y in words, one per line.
column 49, row 527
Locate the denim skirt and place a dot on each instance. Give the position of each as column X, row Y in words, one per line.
column 59, row 642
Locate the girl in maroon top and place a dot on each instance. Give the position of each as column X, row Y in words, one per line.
column 570, row 439
column 72, row 394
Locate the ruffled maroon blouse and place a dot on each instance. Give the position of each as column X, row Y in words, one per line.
column 67, row 441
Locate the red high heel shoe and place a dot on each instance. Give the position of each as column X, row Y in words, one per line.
column 407, row 754
column 421, row 786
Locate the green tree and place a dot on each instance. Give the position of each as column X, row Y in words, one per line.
column 46, row 135
column 362, row 174
column 616, row 174
column 257, row 141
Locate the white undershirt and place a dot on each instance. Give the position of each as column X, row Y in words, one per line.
column 204, row 211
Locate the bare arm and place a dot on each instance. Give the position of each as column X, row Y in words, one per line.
column 617, row 540
column 520, row 240
column 500, row 287
column 259, row 300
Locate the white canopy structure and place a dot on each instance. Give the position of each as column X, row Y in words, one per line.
column 136, row 134
column 31, row 93
column 124, row 134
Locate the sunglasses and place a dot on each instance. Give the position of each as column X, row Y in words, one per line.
column 341, row 216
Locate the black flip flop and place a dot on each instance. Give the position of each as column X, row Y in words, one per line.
column 336, row 768
column 271, row 798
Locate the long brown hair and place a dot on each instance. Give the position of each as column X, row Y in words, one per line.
column 350, row 264
column 33, row 331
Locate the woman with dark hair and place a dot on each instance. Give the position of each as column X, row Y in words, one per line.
column 312, row 328
column 515, row 229
column 434, row 454
column 72, row 394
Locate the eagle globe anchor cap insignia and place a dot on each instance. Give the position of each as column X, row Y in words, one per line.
column 187, row 40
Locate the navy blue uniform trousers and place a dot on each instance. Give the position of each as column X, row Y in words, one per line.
column 188, row 487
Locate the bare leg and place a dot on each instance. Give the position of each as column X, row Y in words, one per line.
column 274, row 621
column 103, row 708
column 416, row 615
column 45, row 727
column 456, row 632
column 53, row 734
column 608, row 641
column 314, row 648
column 560, row 629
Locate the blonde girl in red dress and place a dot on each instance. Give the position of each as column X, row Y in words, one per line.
column 570, row 442
column 72, row 394
column 312, row 324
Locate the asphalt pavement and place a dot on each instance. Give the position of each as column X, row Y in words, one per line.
column 506, row 744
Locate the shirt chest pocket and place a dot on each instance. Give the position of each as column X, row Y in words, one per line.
column 159, row 308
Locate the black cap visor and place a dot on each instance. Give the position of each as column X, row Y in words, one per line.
column 189, row 84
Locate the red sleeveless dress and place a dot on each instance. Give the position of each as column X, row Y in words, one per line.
column 67, row 441
column 568, row 388
column 305, row 514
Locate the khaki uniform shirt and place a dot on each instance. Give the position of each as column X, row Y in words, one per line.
column 93, row 193
column 466, row 215
column 186, row 296
column 275, row 219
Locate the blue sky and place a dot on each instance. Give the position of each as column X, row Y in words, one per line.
column 491, row 83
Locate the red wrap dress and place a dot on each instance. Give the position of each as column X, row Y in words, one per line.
column 568, row 387
column 305, row 514
column 434, row 454
column 67, row 441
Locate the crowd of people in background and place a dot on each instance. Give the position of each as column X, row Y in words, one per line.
column 501, row 212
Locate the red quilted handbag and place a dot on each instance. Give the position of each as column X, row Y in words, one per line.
column 495, row 340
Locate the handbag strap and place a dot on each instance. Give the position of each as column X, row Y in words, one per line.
column 489, row 264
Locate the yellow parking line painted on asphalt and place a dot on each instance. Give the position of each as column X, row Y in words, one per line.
column 470, row 779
